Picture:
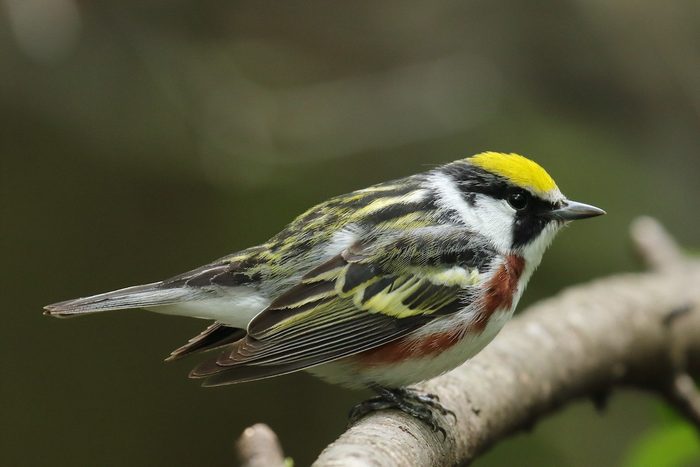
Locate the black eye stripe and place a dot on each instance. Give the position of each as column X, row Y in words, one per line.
column 529, row 220
column 519, row 199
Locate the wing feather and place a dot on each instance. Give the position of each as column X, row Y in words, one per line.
column 368, row 295
column 215, row 336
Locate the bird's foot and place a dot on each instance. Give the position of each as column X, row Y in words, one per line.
column 424, row 407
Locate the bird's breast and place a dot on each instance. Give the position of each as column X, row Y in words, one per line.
column 500, row 294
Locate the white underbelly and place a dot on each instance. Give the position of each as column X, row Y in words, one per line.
column 235, row 308
column 349, row 373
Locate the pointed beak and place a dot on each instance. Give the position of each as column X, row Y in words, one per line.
column 572, row 210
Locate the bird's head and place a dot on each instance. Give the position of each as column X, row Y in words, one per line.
column 511, row 200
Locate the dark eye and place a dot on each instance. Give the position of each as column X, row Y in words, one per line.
column 519, row 200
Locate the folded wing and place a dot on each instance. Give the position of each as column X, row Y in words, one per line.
column 368, row 295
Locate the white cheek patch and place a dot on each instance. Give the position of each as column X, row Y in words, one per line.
column 494, row 219
column 490, row 217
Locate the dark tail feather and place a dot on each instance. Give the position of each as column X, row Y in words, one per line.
column 139, row 296
column 216, row 335
column 215, row 375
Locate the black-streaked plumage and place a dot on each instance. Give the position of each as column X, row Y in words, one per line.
column 384, row 286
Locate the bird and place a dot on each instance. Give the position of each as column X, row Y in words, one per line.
column 380, row 288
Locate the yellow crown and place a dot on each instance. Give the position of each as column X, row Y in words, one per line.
column 517, row 169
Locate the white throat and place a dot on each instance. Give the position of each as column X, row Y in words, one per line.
column 533, row 251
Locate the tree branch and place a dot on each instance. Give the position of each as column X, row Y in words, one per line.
column 259, row 446
column 684, row 396
column 640, row 330
column 658, row 249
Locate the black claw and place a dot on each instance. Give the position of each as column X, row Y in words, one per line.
column 450, row 413
column 442, row 431
column 365, row 407
column 408, row 400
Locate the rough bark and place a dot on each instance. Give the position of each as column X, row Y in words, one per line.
column 640, row 330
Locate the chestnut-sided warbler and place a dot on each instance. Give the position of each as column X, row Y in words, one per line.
column 382, row 287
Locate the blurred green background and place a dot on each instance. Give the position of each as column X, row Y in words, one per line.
column 141, row 139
